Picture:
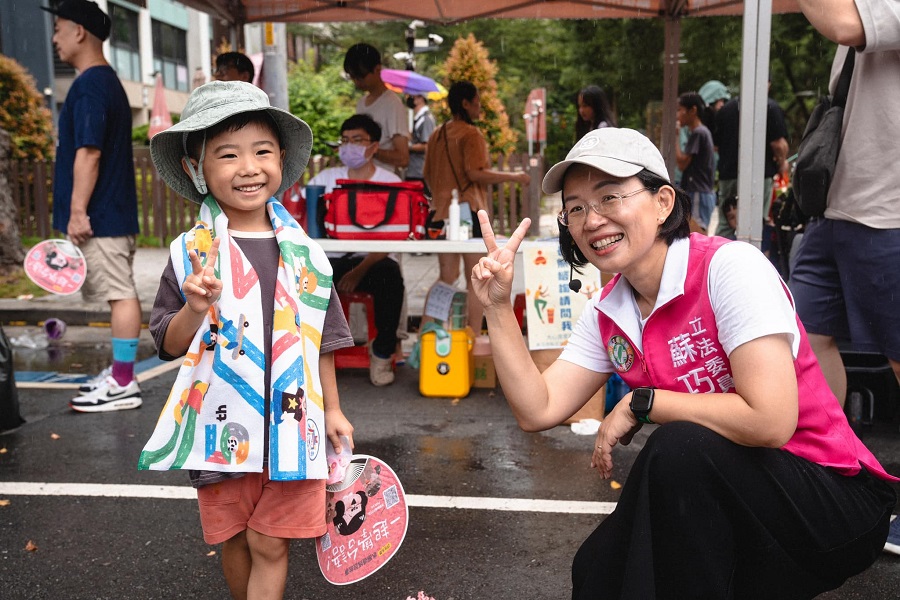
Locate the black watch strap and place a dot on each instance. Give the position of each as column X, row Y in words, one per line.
column 642, row 403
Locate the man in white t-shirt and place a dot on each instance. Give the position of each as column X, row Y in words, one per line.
column 845, row 279
column 375, row 272
column 363, row 64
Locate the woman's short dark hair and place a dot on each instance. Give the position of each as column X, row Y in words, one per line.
column 459, row 91
column 675, row 227
column 236, row 122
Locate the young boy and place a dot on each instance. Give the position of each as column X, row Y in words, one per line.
column 247, row 299
column 698, row 160
column 376, row 272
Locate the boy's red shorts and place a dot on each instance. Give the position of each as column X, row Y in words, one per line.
column 282, row 509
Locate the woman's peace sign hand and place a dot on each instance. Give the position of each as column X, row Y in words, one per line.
column 202, row 288
column 493, row 274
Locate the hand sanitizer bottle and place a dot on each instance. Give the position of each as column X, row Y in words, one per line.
column 453, row 220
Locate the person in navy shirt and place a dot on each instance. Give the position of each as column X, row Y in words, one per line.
column 94, row 194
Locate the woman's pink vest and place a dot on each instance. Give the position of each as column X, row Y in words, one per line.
column 682, row 353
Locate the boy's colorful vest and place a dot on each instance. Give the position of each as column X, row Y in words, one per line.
column 216, row 417
column 682, row 353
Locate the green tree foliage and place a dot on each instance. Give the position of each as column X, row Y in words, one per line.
column 532, row 54
column 711, row 49
column 140, row 135
column 332, row 40
column 801, row 65
column 468, row 61
column 321, row 98
column 23, row 114
column 623, row 56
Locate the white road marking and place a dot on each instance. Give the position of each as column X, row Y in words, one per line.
column 172, row 492
column 510, row 504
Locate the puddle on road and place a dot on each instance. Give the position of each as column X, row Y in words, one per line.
column 78, row 355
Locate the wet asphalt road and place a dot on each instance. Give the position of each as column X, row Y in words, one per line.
column 116, row 548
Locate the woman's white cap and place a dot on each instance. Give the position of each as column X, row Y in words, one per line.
column 618, row 152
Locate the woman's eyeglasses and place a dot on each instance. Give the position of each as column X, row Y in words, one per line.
column 576, row 213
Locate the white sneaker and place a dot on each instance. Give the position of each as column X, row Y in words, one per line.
column 96, row 381
column 381, row 370
column 108, row 396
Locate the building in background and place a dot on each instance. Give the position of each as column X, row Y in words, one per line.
column 148, row 36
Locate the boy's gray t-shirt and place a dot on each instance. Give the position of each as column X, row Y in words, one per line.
column 263, row 254
column 699, row 176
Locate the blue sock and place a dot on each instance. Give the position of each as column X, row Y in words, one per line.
column 124, row 355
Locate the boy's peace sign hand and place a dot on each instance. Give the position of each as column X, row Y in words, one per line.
column 492, row 276
column 201, row 288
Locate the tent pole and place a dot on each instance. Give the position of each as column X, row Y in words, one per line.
column 274, row 73
column 669, row 136
column 752, row 139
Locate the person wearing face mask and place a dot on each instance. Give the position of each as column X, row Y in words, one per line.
column 376, row 273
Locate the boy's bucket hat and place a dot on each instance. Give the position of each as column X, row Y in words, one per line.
column 213, row 103
column 619, row 152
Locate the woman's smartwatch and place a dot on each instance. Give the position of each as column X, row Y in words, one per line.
column 642, row 403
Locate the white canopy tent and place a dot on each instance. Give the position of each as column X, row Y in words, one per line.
column 757, row 16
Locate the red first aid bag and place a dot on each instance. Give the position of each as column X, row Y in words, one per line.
column 371, row 210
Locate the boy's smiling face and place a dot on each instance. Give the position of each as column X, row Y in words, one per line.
column 243, row 170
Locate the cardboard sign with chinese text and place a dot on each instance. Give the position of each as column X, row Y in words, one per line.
column 551, row 308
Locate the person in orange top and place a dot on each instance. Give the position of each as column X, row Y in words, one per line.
column 457, row 158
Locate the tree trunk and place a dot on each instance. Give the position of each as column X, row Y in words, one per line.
column 11, row 251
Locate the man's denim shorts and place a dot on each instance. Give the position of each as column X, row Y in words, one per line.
column 846, row 284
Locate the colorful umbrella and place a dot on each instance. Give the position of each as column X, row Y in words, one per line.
column 415, row 84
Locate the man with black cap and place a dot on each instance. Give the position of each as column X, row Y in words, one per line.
column 94, row 194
